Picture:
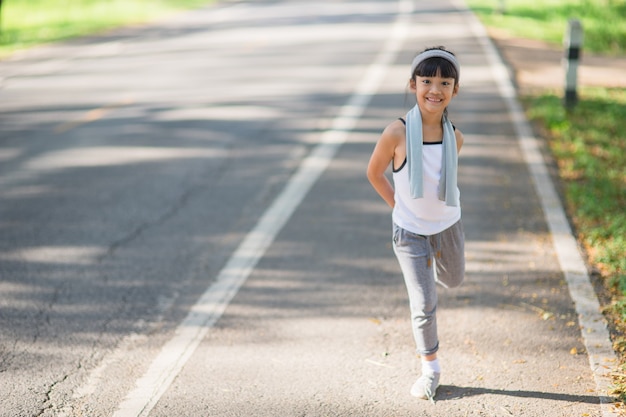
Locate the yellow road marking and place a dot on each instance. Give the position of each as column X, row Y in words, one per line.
column 91, row 116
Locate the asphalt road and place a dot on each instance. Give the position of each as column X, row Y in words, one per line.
column 134, row 164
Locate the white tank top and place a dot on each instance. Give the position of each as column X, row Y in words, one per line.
column 428, row 215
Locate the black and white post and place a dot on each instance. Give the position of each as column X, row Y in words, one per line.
column 573, row 43
column 502, row 7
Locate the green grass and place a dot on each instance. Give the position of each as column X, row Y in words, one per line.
column 589, row 146
column 25, row 23
column 588, row 143
column 604, row 21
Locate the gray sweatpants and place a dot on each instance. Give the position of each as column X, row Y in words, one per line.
column 415, row 254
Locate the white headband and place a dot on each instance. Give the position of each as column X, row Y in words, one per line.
column 432, row 53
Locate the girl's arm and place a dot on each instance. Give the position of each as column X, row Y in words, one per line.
column 379, row 161
column 459, row 140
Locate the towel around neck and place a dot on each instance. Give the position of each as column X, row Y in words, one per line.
column 449, row 163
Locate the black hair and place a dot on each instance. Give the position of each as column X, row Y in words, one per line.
column 430, row 67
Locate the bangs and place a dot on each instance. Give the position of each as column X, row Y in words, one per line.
column 431, row 66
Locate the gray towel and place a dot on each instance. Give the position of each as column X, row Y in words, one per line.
column 449, row 163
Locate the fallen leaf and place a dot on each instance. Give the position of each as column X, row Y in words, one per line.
column 507, row 411
column 378, row 363
column 573, row 351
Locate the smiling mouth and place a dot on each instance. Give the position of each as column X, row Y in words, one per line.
column 434, row 100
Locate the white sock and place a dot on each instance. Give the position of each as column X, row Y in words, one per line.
column 431, row 367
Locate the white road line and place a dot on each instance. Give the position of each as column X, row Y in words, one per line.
column 209, row 308
column 593, row 326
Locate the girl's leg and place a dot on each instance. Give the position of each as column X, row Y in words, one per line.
column 414, row 253
column 449, row 247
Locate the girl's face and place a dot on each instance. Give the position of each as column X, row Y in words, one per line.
column 433, row 94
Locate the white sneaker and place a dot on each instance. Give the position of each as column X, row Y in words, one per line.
column 426, row 386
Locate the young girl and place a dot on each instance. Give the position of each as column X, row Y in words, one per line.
column 423, row 150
